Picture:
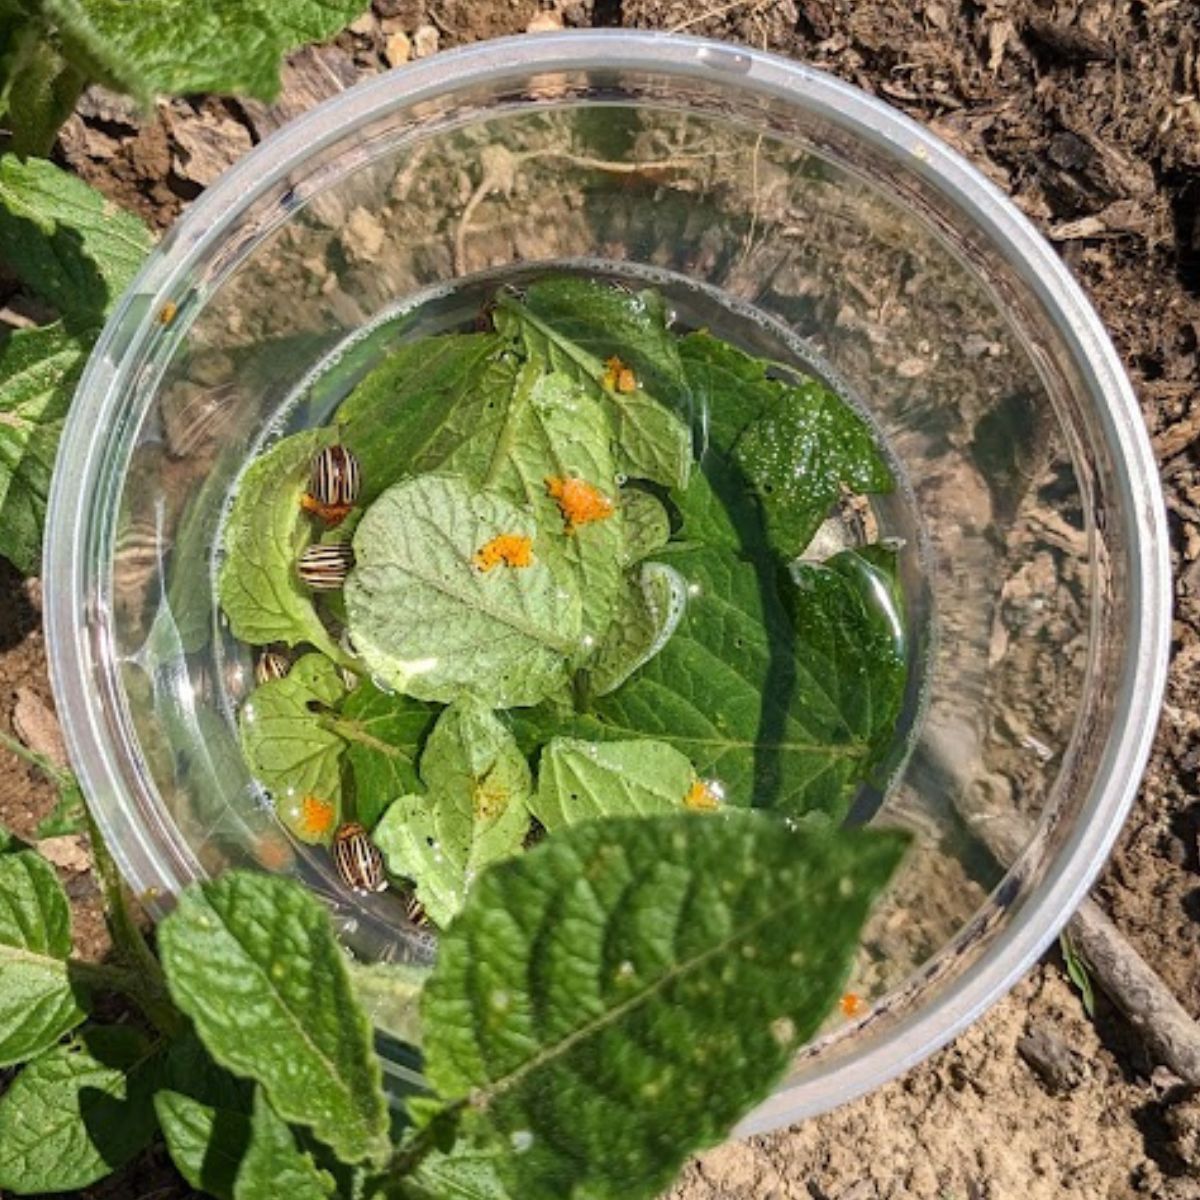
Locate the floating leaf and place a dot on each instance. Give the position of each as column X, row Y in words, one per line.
column 785, row 710
column 647, row 613
column 475, row 810
column 576, row 325
column 265, row 533
column 39, row 1001
column 431, row 623
column 78, row 1112
column 623, row 993
column 427, row 398
column 583, row 781
column 253, row 961
column 390, row 994
column 288, row 748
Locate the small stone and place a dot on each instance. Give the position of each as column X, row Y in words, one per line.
column 362, row 239
column 425, row 41
column 36, row 724
column 364, row 23
column 1056, row 1064
column 544, row 22
column 69, row 852
column 397, row 49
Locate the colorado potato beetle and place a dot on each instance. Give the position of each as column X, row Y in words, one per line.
column 358, row 860
column 324, row 568
column 336, row 477
column 271, row 665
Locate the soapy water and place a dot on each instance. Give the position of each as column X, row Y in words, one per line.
column 891, row 518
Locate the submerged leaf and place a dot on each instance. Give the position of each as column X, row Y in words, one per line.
column 621, row 994
column 576, row 325
column 430, row 623
column 265, row 534
column 474, row 812
column 581, row 781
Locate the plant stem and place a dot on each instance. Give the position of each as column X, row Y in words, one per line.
column 151, row 991
column 51, row 770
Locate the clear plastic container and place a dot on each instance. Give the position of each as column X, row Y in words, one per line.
column 1036, row 555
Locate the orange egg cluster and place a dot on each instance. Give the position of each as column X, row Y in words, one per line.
column 511, row 549
column 702, row 797
column 852, row 1005
column 317, row 816
column 618, row 377
column 579, row 501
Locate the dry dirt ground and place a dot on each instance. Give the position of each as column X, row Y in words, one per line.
column 1089, row 115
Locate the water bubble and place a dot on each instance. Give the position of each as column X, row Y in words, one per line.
column 500, row 1000
column 587, row 641
column 626, row 970
column 522, row 1141
column 783, row 1030
column 694, row 590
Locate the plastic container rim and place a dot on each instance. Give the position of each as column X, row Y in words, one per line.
column 105, row 397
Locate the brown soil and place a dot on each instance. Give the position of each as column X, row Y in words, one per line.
column 1088, row 113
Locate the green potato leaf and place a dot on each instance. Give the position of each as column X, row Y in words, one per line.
column 39, row 1001
column 552, row 429
column 429, row 622
column 647, row 526
column 42, row 90
column 647, row 613
column 78, row 1112
column 785, row 706
column 156, row 47
column 274, row 1165
column 474, row 812
column 583, row 781
column 265, row 533
column 794, row 447
column 576, row 325
column 383, row 732
column 287, row 746
column 68, row 244
column 427, row 398
column 651, row 977
column 205, row 1117
column 253, row 961
column 38, row 372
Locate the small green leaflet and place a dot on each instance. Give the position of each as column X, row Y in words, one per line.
column 38, row 1002
column 474, row 813
column 785, row 710
column 68, row 244
column 583, row 781
column 647, row 613
column 69, row 814
column 78, row 1112
column 42, row 90
column 264, row 535
column 552, row 429
column 274, row 1165
column 576, row 325
column 647, row 526
column 287, row 747
column 253, row 961
column 297, row 730
column 204, row 1114
column 155, row 47
column 429, row 622
column 651, row 977
column 422, row 402
column 383, row 733
column 794, row 446
column 38, row 372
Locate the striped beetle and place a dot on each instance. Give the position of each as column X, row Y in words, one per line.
column 358, row 860
column 324, row 568
column 271, row 665
column 336, row 477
